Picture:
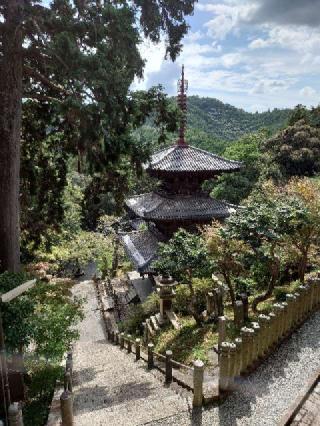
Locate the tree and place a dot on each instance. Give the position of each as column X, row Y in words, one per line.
column 184, row 257
column 80, row 58
column 235, row 187
column 296, row 149
column 227, row 255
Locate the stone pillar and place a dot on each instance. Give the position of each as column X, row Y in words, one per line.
column 238, row 362
column 256, row 341
column 150, row 356
column 210, row 304
column 168, row 377
column 264, row 333
column 145, row 333
column 245, row 301
column 239, row 314
column 290, row 301
column 137, row 349
column 66, row 404
column 277, row 308
column 285, row 318
column 15, row 415
column 247, row 337
column 272, row 328
column 224, row 366
column 232, row 365
column 198, row 372
column 222, row 330
column 218, row 301
column 67, row 381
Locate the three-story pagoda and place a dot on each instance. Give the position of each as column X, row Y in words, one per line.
column 179, row 201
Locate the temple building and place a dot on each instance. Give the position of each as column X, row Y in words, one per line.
column 179, row 201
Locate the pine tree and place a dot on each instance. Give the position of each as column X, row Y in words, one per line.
column 80, row 57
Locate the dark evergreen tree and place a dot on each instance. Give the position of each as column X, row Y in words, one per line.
column 80, row 58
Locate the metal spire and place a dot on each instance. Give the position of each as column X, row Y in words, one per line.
column 182, row 102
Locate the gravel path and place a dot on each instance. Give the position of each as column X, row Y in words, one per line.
column 262, row 398
column 111, row 389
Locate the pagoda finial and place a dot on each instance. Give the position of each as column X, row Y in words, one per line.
column 182, row 102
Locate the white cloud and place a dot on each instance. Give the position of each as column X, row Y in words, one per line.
column 308, row 92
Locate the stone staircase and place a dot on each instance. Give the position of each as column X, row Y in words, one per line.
column 154, row 323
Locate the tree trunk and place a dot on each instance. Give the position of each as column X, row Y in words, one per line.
column 10, row 128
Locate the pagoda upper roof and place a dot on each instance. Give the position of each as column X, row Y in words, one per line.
column 188, row 159
column 161, row 207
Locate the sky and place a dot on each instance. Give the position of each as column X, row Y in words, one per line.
column 253, row 54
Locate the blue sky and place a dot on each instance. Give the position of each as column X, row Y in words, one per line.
column 254, row 54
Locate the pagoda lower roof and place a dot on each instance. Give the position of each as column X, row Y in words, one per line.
column 185, row 158
column 141, row 247
column 156, row 206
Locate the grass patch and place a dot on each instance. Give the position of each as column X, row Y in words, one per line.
column 189, row 343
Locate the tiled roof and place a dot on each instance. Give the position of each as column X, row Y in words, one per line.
column 155, row 206
column 190, row 159
column 141, row 247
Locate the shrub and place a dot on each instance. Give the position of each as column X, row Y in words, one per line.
column 182, row 299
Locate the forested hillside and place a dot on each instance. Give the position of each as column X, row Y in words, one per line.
column 226, row 122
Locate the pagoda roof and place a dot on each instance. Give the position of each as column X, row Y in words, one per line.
column 141, row 247
column 186, row 158
column 156, row 206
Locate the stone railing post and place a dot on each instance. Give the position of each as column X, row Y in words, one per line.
column 277, row 309
column 232, row 365
column 15, row 415
column 239, row 314
column 247, row 344
column 238, row 362
column 67, row 381
column 117, row 338
column 66, row 404
column 271, row 328
column 168, row 378
column 210, row 303
column 285, row 318
column 137, row 349
column 150, row 356
column 198, row 373
column 290, row 301
column 264, row 342
column 256, row 341
column 222, row 330
column 224, row 366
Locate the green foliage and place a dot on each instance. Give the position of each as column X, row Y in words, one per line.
column 71, row 255
column 234, row 187
column 43, row 377
column 45, row 316
column 137, row 314
column 228, row 123
column 201, row 288
column 296, row 149
column 184, row 256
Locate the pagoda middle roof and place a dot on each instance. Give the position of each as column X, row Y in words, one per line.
column 156, row 206
column 186, row 158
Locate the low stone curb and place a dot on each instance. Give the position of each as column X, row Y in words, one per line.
column 294, row 409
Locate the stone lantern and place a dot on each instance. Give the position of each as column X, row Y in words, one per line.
column 165, row 288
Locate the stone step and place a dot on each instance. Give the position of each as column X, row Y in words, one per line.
column 150, row 329
column 107, row 302
column 159, row 319
column 154, row 323
column 173, row 319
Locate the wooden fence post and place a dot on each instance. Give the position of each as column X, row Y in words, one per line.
column 137, row 347
column 150, row 356
column 66, row 404
column 168, row 367
column 198, row 372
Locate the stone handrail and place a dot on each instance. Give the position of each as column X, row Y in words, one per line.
column 66, row 398
column 258, row 340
